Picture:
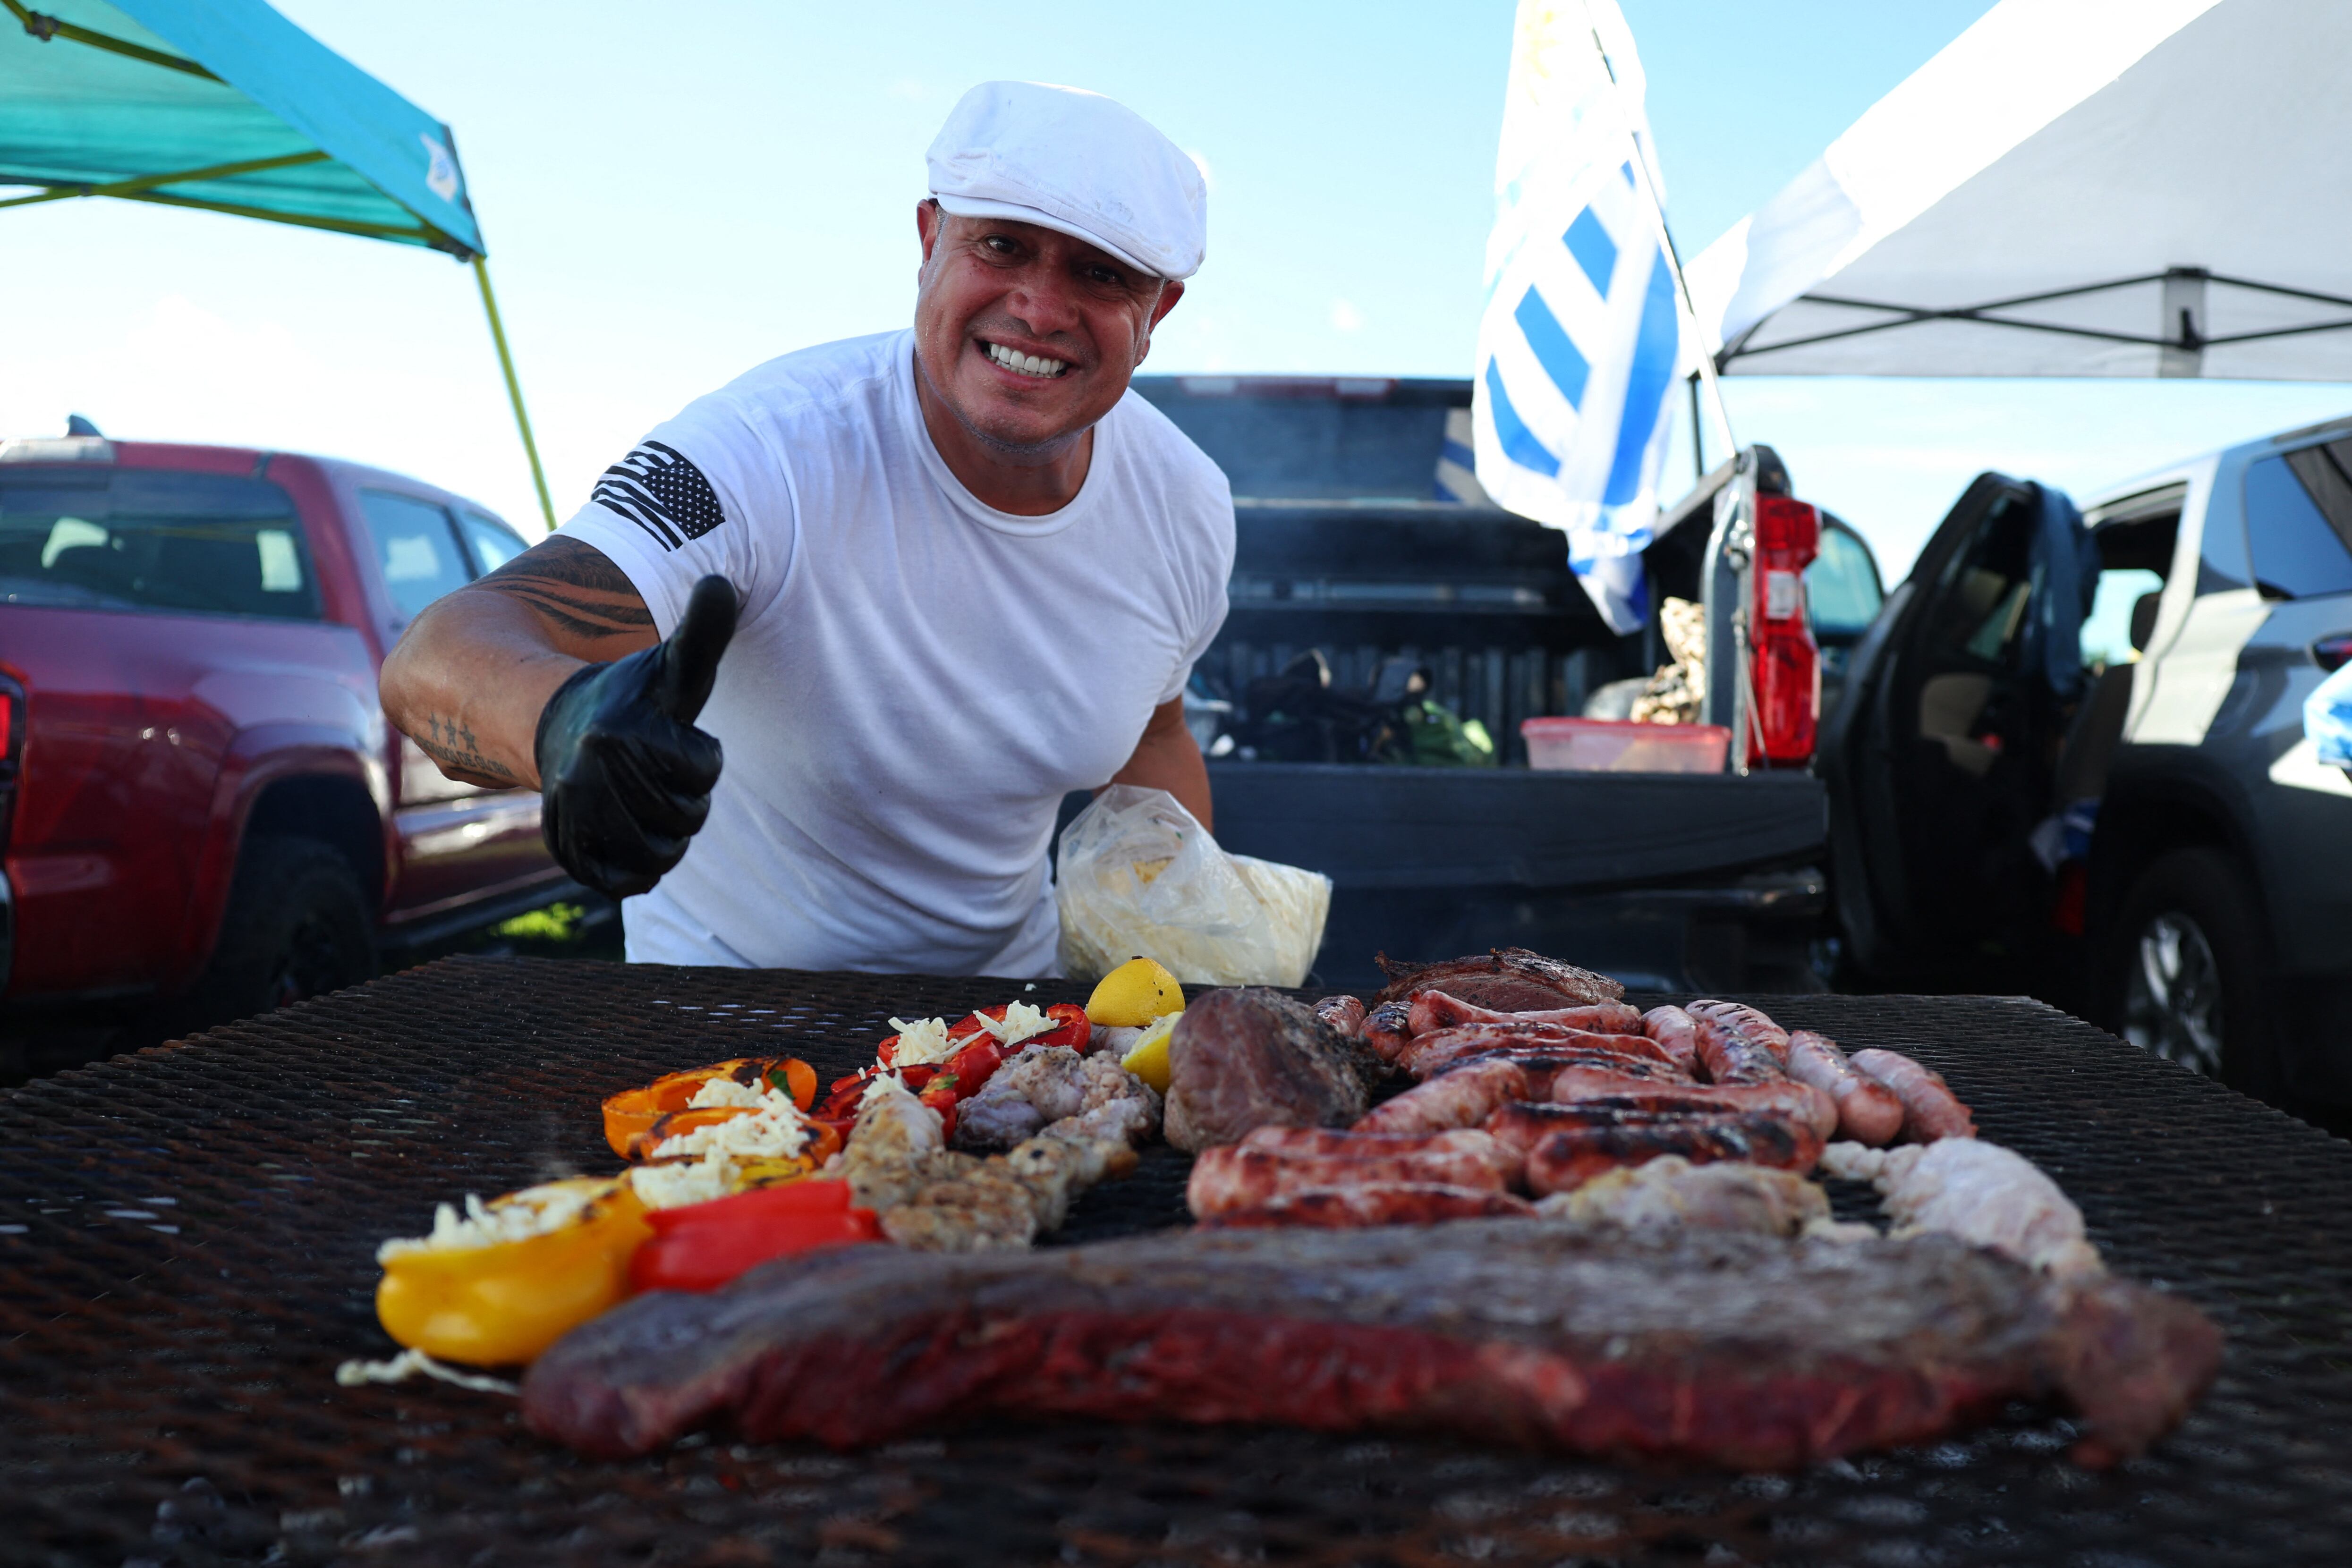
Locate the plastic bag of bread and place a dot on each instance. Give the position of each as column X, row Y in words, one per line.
column 1139, row 874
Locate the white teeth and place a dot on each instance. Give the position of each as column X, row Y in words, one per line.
column 1027, row 364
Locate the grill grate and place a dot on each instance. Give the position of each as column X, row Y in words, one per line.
column 186, row 1241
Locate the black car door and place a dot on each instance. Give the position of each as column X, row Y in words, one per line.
column 1938, row 756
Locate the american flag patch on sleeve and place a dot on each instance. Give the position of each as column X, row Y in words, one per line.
column 659, row 490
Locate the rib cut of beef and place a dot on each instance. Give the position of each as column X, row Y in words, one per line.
column 1742, row 1351
column 1507, row 979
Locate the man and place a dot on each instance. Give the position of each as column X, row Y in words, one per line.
column 964, row 573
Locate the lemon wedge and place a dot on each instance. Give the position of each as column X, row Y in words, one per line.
column 1133, row 995
column 1148, row 1059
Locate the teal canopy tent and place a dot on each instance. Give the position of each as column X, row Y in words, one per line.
column 227, row 106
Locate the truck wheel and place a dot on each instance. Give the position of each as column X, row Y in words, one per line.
column 2185, row 977
column 297, row 927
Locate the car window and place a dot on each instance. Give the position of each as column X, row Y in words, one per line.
column 1842, row 585
column 155, row 540
column 1980, row 604
column 2300, row 549
column 417, row 548
column 493, row 543
column 2108, row 629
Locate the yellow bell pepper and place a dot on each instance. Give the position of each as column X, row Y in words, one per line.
column 494, row 1302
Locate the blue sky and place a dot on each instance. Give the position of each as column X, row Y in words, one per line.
column 674, row 195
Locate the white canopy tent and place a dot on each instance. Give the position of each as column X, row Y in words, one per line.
column 2071, row 188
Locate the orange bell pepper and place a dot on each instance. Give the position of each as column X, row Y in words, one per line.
column 635, row 1110
column 822, row 1145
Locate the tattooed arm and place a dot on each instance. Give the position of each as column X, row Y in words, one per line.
column 472, row 672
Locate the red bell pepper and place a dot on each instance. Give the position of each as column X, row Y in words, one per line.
column 702, row 1246
column 1071, row 1027
column 974, row 1065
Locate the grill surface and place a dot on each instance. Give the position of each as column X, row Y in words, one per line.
column 187, row 1250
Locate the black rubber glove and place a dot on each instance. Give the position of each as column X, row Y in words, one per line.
column 625, row 777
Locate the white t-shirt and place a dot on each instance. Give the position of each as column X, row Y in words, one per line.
column 916, row 679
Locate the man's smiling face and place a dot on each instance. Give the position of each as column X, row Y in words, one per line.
column 1027, row 335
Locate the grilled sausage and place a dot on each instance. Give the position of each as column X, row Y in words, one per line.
column 1378, row 1203
column 1457, row 1144
column 1738, row 1044
column 1463, row 1098
column 1430, row 1054
column 1868, row 1111
column 1345, row 1014
column 1741, row 1018
column 1521, row 1125
column 1232, row 1177
column 1676, row 1033
column 1544, row 1067
column 1802, row 1100
column 1569, row 1156
column 1387, row 1030
column 1931, row 1109
column 1433, row 1011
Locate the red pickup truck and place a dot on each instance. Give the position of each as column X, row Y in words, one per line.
column 202, row 806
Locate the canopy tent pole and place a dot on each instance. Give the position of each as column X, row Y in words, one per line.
column 514, row 388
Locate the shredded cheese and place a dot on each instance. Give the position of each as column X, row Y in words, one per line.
column 724, row 1091
column 923, row 1043
column 1022, row 1022
column 518, row 1216
column 775, row 1131
column 412, row 1362
column 684, row 1182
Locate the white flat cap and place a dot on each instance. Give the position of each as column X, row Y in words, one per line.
column 1076, row 163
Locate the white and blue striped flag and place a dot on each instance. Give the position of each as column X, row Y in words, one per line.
column 1582, row 332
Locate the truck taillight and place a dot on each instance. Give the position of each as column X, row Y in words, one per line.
column 1787, row 661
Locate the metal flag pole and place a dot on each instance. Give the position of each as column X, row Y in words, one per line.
column 1667, row 244
column 514, row 390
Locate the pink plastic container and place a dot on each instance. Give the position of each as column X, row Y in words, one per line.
column 1618, row 745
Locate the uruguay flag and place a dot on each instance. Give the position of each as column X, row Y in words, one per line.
column 1582, row 332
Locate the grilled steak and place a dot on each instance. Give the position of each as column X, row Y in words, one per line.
column 1507, row 979
column 1723, row 1349
column 1252, row 1058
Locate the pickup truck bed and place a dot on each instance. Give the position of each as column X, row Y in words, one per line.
column 1665, row 881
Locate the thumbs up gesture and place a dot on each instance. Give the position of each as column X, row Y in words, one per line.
column 625, row 777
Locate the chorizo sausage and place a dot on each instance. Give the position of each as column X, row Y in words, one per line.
column 1387, row 1030
column 1868, row 1112
column 1430, row 1054
column 1676, row 1033
column 1378, row 1203
column 1931, row 1109
column 1463, row 1098
column 1521, row 1125
column 1738, row 1044
column 1742, row 1019
column 1568, row 1157
column 1545, row 1067
column 1344, row 1014
column 1230, row 1176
